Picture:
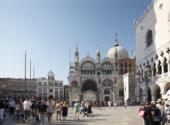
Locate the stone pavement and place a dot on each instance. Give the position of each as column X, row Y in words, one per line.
column 103, row 116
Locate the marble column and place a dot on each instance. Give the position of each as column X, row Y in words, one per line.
column 162, row 68
column 152, row 74
column 157, row 63
column 163, row 91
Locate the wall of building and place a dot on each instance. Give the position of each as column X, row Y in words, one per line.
column 157, row 55
column 155, row 19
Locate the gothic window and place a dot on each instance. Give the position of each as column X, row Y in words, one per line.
column 149, row 38
column 125, row 70
column 45, row 84
column 165, row 66
column 39, row 84
column 98, row 71
column 159, row 68
column 154, row 69
column 121, row 71
column 121, row 65
column 125, row 64
column 106, row 91
column 121, row 92
column 56, row 84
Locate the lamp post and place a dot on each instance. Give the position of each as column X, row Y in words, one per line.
column 25, row 75
column 146, row 79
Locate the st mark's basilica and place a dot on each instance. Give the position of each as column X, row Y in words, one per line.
column 101, row 79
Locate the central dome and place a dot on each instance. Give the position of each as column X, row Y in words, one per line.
column 119, row 51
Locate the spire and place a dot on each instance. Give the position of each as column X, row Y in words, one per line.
column 76, row 55
column 98, row 55
column 116, row 40
column 98, row 51
column 77, row 51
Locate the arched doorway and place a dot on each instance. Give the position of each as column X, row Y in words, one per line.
column 89, row 91
column 157, row 92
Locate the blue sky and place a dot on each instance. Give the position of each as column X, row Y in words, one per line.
column 48, row 29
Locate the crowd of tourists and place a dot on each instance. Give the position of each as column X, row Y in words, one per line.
column 38, row 110
column 156, row 112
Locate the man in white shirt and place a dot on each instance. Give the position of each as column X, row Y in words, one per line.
column 50, row 109
column 27, row 109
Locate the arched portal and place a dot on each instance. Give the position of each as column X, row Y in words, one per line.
column 89, row 91
column 157, row 92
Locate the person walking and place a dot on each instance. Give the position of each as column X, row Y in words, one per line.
column 64, row 111
column 42, row 109
column 50, row 109
column 89, row 109
column 156, row 114
column 17, row 110
column 148, row 119
column 160, row 105
column 58, row 108
column 27, row 109
column 11, row 107
column 77, row 110
column 1, row 111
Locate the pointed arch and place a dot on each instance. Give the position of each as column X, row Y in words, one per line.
column 159, row 67
column 165, row 65
column 157, row 92
column 154, row 69
column 149, row 38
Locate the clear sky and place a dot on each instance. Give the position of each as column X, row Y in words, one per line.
column 48, row 29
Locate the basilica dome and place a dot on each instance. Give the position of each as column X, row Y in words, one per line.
column 117, row 50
